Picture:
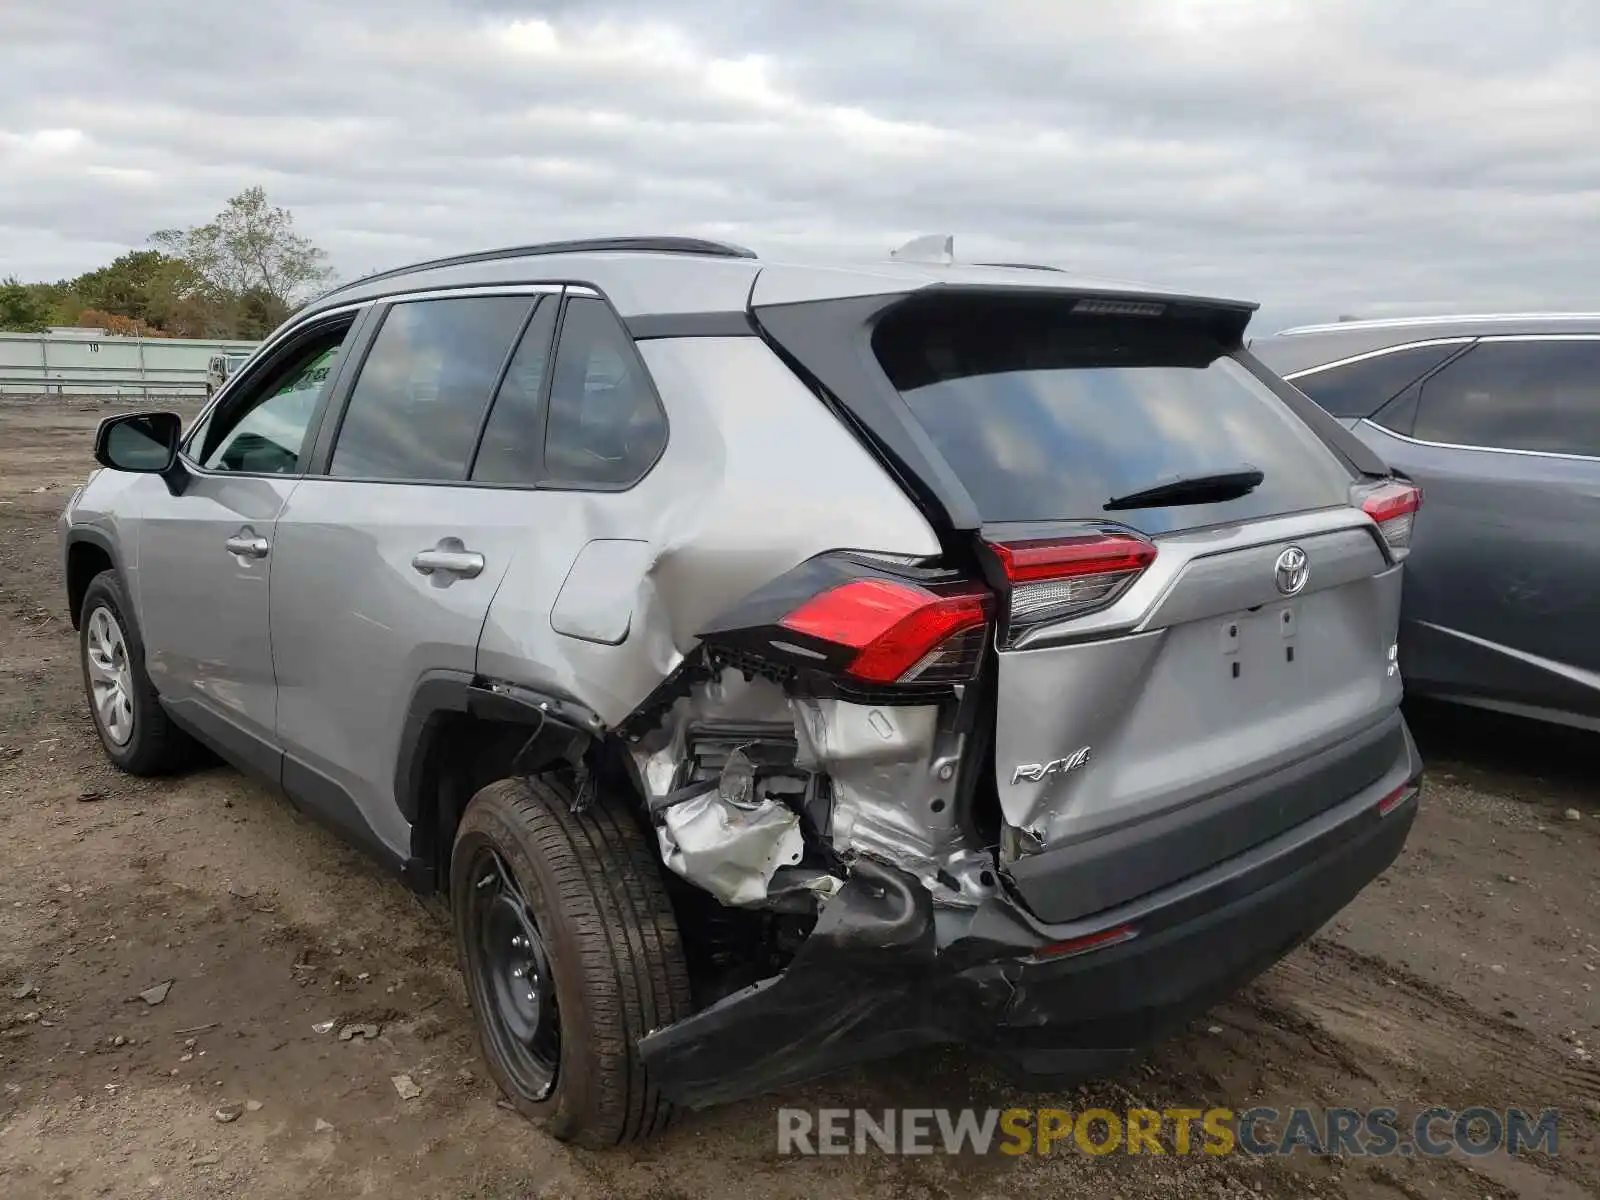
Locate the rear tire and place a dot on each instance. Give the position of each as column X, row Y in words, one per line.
column 571, row 954
column 135, row 731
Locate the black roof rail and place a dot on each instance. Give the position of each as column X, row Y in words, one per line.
column 644, row 245
column 1017, row 266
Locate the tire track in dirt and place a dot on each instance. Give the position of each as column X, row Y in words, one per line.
column 1337, row 979
column 1421, row 1046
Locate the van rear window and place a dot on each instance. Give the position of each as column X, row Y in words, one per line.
column 1048, row 415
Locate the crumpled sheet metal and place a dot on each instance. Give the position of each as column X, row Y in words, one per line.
column 894, row 790
column 660, row 751
column 729, row 850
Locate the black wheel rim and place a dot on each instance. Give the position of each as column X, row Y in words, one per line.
column 511, row 969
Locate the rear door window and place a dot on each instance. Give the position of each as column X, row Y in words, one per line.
column 1044, row 415
column 511, row 451
column 1360, row 388
column 1539, row 395
column 413, row 414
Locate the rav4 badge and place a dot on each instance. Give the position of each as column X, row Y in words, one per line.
column 1035, row 772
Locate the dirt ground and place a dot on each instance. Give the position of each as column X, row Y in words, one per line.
column 1465, row 976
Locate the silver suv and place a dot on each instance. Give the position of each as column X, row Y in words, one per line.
column 777, row 665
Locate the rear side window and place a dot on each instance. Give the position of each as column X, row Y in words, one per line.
column 606, row 428
column 1360, row 388
column 514, row 435
column 415, row 408
column 1533, row 395
column 1048, row 416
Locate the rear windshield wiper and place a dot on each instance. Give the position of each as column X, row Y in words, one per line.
column 1213, row 487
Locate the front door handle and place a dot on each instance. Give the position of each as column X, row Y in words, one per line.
column 450, row 558
column 247, row 545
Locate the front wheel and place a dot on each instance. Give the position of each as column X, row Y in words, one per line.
column 571, row 954
column 134, row 729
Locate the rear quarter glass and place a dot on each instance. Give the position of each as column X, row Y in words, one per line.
column 1361, row 387
column 1044, row 415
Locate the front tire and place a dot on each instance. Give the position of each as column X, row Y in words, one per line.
column 571, row 954
column 135, row 731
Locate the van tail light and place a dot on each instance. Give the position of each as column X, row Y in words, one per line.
column 1393, row 505
column 1053, row 579
column 898, row 631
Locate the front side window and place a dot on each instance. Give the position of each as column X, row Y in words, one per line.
column 262, row 430
column 414, row 411
column 606, row 428
column 1540, row 395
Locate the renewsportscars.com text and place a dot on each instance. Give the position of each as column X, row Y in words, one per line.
column 1261, row 1132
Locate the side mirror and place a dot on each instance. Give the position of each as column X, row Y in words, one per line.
column 143, row 442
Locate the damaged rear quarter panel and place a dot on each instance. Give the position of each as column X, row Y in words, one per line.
column 893, row 771
column 757, row 477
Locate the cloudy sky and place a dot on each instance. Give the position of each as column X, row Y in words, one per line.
column 1322, row 156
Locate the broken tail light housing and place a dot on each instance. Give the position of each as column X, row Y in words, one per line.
column 1054, row 579
column 1393, row 505
column 898, row 631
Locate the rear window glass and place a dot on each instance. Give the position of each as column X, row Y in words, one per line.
column 1360, row 388
column 1048, row 416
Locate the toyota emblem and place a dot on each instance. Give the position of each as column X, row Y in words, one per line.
column 1292, row 571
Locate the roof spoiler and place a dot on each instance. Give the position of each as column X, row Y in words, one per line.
column 1222, row 319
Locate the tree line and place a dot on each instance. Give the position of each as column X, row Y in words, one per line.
column 237, row 276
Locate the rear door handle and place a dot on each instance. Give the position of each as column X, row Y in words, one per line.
column 247, row 545
column 468, row 564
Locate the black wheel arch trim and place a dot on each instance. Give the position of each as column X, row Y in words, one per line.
column 90, row 535
column 560, row 729
column 438, row 694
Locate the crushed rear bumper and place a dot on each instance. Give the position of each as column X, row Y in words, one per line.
column 884, row 971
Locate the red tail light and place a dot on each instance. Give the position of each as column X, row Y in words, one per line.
column 1056, row 578
column 901, row 633
column 1067, row 558
column 1393, row 506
